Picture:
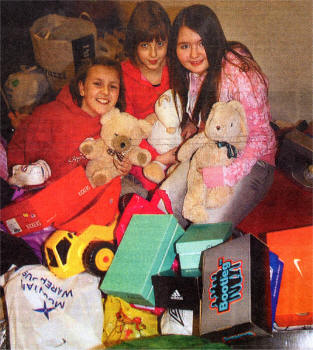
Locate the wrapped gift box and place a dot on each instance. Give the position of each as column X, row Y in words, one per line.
column 146, row 249
column 236, row 299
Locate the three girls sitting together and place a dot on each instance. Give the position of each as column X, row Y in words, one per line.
column 194, row 59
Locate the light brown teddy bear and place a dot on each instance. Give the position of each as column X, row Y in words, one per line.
column 121, row 134
column 225, row 134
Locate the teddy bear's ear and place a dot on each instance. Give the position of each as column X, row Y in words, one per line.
column 145, row 127
column 243, row 120
column 213, row 109
column 109, row 115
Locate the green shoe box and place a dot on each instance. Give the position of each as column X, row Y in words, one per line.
column 146, row 249
column 196, row 239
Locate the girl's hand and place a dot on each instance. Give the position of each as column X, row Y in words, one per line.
column 189, row 130
column 123, row 166
column 168, row 157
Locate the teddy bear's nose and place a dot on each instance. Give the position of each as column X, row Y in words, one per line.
column 121, row 143
column 218, row 127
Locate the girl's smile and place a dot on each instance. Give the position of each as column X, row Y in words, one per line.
column 190, row 51
column 100, row 90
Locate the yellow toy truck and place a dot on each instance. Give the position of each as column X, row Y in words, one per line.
column 68, row 253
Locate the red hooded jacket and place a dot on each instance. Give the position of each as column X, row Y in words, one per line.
column 53, row 133
column 140, row 97
column 140, row 94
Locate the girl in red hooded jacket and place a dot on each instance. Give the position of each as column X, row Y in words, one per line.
column 55, row 130
column 145, row 73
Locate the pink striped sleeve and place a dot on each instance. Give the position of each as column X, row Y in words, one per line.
column 249, row 89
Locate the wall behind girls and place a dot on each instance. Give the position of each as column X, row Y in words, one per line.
column 278, row 32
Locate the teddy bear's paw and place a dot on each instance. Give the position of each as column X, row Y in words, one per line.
column 86, row 148
column 218, row 197
column 99, row 179
column 196, row 214
column 142, row 158
column 154, row 172
column 214, row 203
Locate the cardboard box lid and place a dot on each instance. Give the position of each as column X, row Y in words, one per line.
column 199, row 237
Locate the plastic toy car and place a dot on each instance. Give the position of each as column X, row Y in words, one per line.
column 68, row 253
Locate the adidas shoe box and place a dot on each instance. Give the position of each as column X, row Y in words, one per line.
column 147, row 248
column 196, row 239
column 175, row 291
column 236, row 298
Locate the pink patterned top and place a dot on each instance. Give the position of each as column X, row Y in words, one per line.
column 249, row 89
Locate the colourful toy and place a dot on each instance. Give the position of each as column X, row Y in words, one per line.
column 121, row 134
column 69, row 253
column 165, row 134
column 28, row 175
column 225, row 134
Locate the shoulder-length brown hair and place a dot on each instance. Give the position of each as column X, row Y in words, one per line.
column 148, row 21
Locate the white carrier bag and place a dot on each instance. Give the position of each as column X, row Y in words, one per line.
column 177, row 321
column 45, row 312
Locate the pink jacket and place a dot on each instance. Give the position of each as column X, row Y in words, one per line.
column 249, row 89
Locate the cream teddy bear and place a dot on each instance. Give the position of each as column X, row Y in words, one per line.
column 121, row 134
column 225, row 134
column 165, row 134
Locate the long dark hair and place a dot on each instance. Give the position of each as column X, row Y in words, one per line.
column 81, row 76
column 204, row 21
column 148, row 21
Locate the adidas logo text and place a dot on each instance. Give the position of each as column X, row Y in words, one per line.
column 176, row 295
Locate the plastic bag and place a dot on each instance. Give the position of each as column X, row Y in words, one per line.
column 45, row 312
column 123, row 322
column 25, row 89
column 176, row 321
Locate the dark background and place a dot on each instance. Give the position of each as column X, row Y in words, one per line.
column 16, row 46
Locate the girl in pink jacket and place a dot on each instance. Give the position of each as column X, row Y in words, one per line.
column 206, row 68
